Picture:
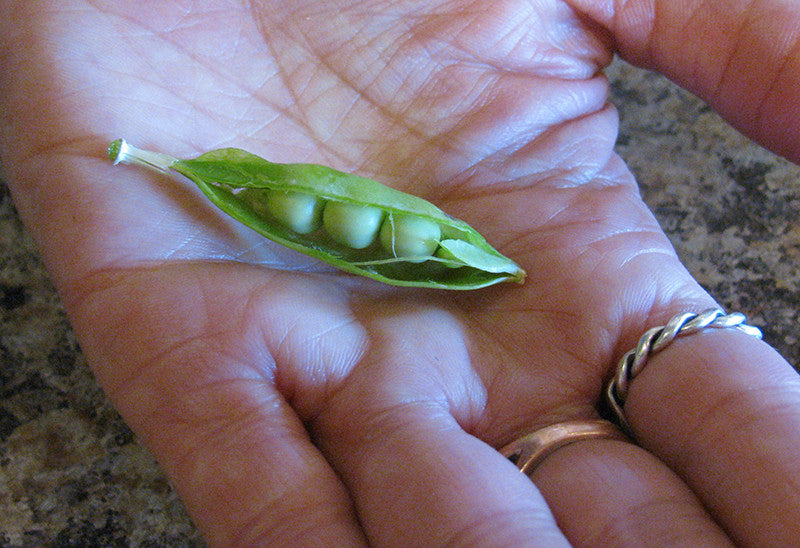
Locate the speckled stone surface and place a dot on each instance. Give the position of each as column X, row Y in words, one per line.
column 731, row 208
column 72, row 474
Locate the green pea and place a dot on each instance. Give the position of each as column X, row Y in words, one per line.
column 355, row 226
column 414, row 238
column 420, row 245
column 298, row 211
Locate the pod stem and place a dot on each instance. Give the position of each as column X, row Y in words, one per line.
column 120, row 151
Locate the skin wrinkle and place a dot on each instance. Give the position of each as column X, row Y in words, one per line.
column 158, row 364
column 486, row 97
column 702, row 430
column 247, row 423
column 617, row 531
column 186, row 242
column 513, row 31
column 597, row 238
column 725, row 408
column 324, row 147
column 375, row 422
column 527, row 69
column 468, row 59
column 647, row 252
column 451, row 139
column 78, row 148
column 489, row 529
column 166, row 37
column 282, row 72
column 226, row 425
column 715, row 90
column 638, row 255
column 173, row 354
column 761, row 106
column 255, row 133
column 460, row 188
column 269, row 501
column 604, row 238
column 287, row 385
column 107, row 283
column 395, row 117
column 443, row 399
column 465, row 408
column 290, row 385
column 728, row 70
column 483, row 426
column 648, row 45
column 425, row 140
column 263, row 530
column 615, row 349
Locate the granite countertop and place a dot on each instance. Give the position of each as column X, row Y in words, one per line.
column 72, row 474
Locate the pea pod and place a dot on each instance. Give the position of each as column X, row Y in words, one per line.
column 351, row 222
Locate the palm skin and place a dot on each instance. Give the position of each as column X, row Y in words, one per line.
column 289, row 402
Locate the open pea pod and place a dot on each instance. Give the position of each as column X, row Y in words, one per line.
column 353, row 223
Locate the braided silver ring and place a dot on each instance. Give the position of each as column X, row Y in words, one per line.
column 655, row 340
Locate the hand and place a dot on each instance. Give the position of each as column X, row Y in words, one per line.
column 291, row 404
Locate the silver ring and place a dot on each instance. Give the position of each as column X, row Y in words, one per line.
column 655, row 340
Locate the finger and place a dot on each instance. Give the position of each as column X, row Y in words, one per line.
column 611, row 493
column 417, row 478
column 419, row 481
column 196, row 382
column 723, row 410
column 743, row 57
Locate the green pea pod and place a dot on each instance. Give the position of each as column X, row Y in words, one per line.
column 241, row 184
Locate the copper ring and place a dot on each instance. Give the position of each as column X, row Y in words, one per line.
column 529, row 451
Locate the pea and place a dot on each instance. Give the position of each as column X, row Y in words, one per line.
column 420, row 245
column 298, row 211
column 415, row 238
column 355, row 226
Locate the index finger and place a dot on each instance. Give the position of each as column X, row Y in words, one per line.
column 743, row 57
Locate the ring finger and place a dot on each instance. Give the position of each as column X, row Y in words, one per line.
column 723, row 410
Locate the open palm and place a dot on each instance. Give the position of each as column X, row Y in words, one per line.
column 288, row 401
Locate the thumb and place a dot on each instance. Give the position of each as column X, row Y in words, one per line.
column 741, row 56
